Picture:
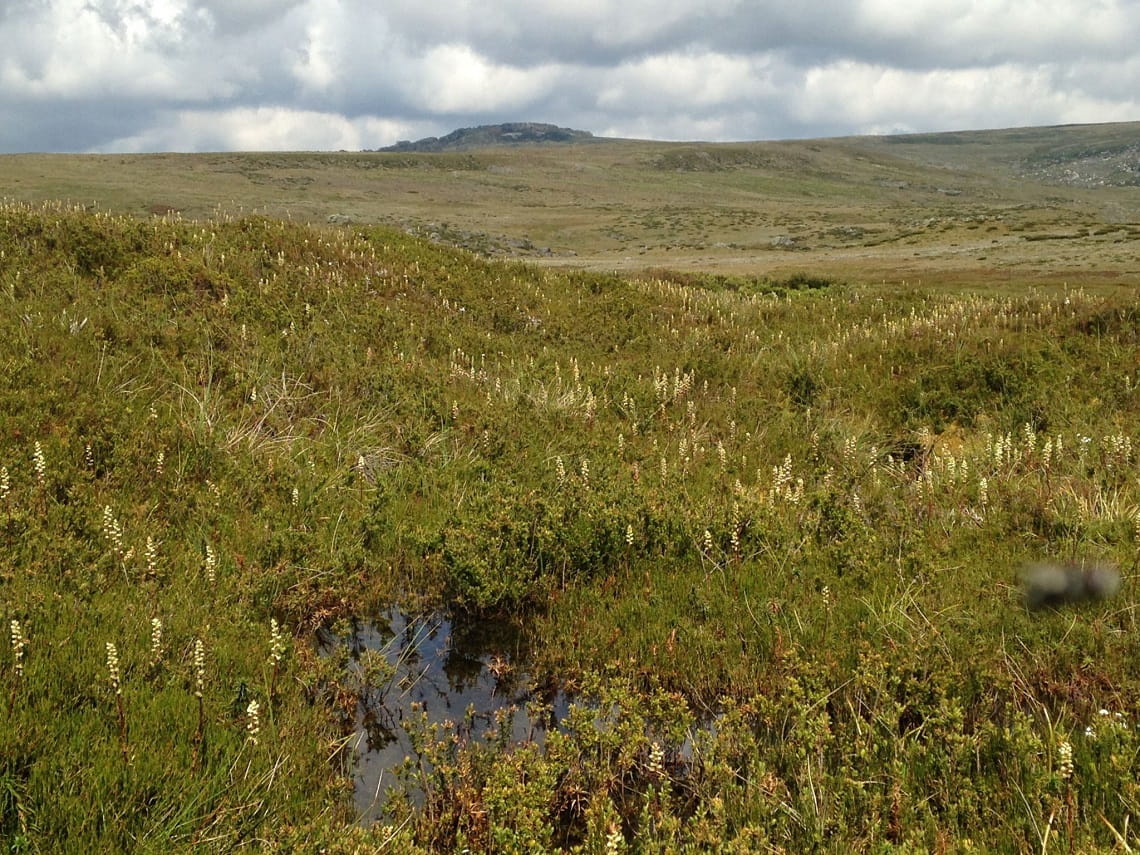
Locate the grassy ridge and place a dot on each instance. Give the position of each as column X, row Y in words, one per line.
column 794, row 504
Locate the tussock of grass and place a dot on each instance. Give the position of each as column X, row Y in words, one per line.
column 792, row 509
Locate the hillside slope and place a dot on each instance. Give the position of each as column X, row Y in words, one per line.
column 1010, row 206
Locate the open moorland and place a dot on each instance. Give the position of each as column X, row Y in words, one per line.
column 981, row 206
column 738, row 449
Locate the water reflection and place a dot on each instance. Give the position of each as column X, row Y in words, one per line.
column 444, row 667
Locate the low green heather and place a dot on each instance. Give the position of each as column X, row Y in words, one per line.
column 767, row 530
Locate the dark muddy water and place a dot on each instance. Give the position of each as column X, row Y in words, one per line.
column 441, row 667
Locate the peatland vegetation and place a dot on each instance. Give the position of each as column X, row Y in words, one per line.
column 765, row 529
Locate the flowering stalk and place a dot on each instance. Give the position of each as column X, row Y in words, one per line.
column 18, row 645
column 155, row 642
column 39, row 462
column 253, row 721
column 276, row 653
column 1065, row 770
column 152, row 545
column 199, row 684
column 1065, row 760
column 115, row 677
column 113, row 532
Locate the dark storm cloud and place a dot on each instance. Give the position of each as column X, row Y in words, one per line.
column 70, row 126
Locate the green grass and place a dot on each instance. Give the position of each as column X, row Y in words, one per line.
column 791, row 506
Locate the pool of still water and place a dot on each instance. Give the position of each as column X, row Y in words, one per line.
column 445, row 669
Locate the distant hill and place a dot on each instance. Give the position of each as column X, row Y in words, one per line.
column 1087, row 156
column 1003, row 205
column 485, row 136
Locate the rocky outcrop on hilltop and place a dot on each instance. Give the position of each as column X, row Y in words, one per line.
column 486, row 136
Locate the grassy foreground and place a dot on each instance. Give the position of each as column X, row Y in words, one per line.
column 768, row 529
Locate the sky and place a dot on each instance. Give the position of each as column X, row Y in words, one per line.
column 245, row 75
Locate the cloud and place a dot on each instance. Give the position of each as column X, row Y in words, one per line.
column 962, row 33
column 694, row 81
column 119, row 51
column 232, row 18
column 880, row 99
column 190, row 74
column 259, row 129
column 315, row 64
column 453, row 78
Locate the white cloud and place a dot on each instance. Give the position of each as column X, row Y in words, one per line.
column 453, row 78
column 875, row 99
column 260, row 129
column 693, row 80
column 680, row 127
column 316, row 64
column 111, row 49
column 713, row 69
